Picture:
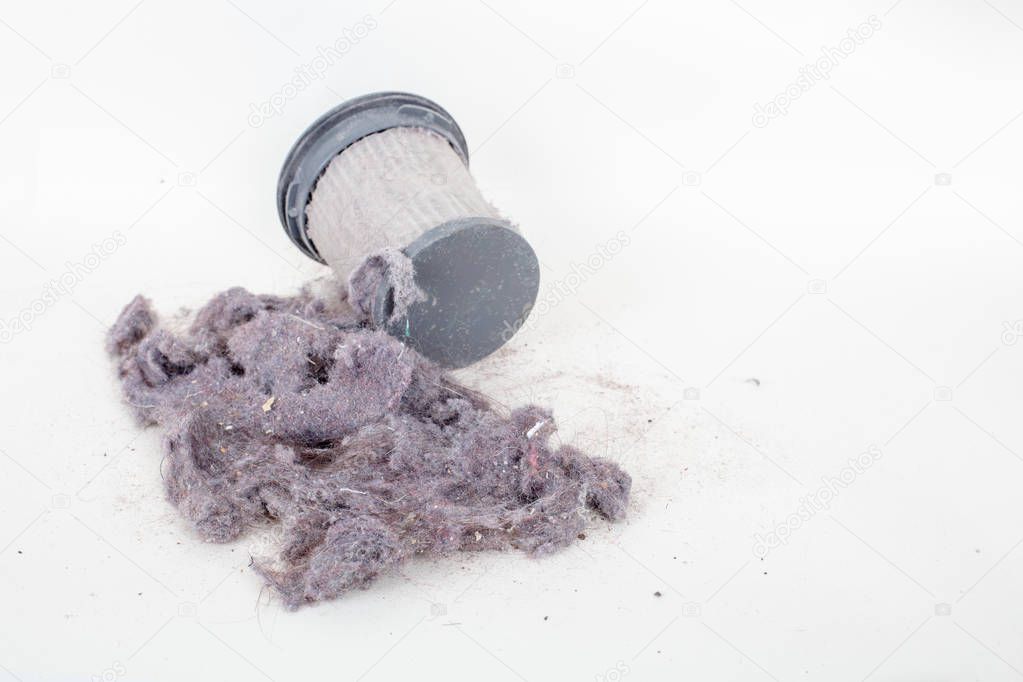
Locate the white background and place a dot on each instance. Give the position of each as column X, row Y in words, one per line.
column 825, row 255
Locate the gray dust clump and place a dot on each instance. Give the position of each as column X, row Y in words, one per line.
column 292, row 416
column 394, row 267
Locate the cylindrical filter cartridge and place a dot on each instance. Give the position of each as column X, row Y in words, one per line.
column 391, row 170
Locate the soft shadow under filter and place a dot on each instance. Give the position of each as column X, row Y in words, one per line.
column 391, row 170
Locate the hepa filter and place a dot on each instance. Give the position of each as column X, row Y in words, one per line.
column 383, row 181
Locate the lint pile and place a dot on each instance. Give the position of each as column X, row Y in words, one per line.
column 295, row 415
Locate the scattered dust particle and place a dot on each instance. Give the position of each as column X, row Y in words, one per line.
column 657, row 593
column 581, row 536
column 754, row 381
column 546, row 617
column 607, row 382
column 269, row 403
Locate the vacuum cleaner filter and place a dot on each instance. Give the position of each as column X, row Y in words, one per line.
column 383, row 180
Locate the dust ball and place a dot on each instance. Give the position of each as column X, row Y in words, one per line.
column 291, row 418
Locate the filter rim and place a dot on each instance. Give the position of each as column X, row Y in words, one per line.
column 338, row 129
